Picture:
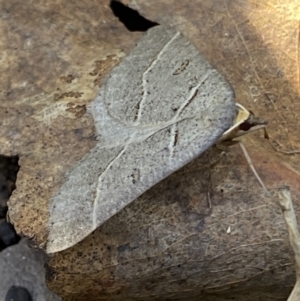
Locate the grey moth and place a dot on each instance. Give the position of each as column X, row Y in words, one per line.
column 160, row 108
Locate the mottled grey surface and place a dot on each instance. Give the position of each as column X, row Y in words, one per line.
column 22, row 266
column 159, row 109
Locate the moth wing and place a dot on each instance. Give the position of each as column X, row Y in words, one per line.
column 159, row 109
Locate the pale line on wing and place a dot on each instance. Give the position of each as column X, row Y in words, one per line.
column 97, row 197
column 193, row 91
column 146, row 72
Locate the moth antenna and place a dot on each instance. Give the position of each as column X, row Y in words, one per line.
column 253, row 168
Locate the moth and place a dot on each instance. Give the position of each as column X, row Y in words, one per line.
column 159, row 109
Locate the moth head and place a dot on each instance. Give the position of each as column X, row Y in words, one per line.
column 245, row 122
column 252, row 122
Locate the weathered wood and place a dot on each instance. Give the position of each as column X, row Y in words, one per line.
column 169, row 243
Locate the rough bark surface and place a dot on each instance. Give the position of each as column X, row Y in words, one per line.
column 170, row 243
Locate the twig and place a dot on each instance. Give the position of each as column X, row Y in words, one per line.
column 294, row 235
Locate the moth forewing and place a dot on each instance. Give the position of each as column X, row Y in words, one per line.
column 159, row 109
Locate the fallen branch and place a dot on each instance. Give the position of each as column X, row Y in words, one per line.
column 294, row 235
